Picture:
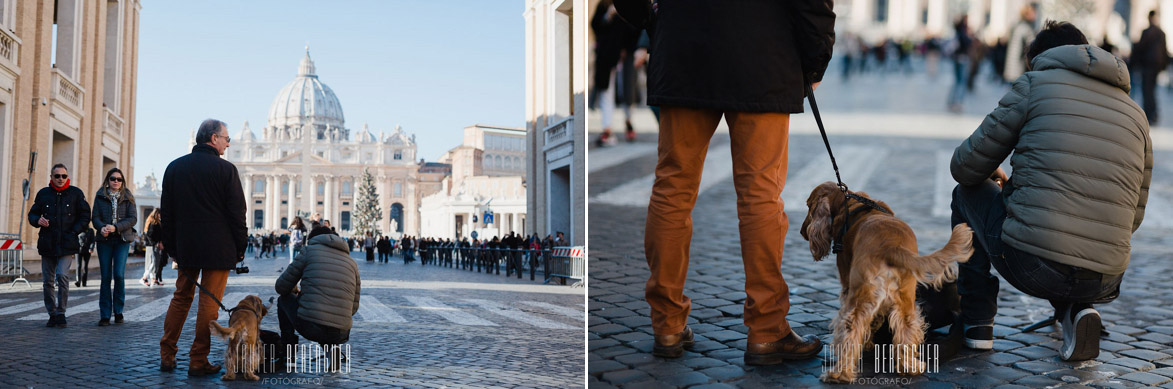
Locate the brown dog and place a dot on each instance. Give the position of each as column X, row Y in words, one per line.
column 879, row 269
column 243, row 353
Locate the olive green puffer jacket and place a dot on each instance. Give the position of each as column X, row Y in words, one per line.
column 1082, row 159
column 330, row 284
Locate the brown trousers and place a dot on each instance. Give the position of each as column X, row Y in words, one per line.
column 759, row 144
column 208, row 311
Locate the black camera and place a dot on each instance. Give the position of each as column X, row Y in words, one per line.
column 241, row 269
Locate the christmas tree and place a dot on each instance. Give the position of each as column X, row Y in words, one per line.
column 367, row 212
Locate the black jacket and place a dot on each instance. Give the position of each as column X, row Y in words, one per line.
column 104, row 211
column 68, row 213
column 748, row 55
column 1150, row 51
column 203, row 211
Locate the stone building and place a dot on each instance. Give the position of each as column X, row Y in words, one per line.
column 68, row 80
column 485, row 192
column 307, row 161
column 555, row 112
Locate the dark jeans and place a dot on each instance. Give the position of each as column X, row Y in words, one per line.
column 55, row 271
column 983, row 207
column 287, row 306
column 1148, row 89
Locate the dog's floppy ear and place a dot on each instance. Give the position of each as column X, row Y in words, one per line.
column 818, row 230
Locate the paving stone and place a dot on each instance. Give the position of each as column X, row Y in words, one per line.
column 635, row 359
column 1145, row 355
column 686, row 379
column 1146, row 378
column 662, row 369
column 600, row 367
column 623, row 376
column 1003, row 358
column 724, row 373
column 703, row 363
column 1133, row 363
column 1005, row 373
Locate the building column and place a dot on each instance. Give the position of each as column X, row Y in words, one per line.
column 248, row 201
column 289, row 214
column 330, row 201
column 313, row 195
column 270, row 184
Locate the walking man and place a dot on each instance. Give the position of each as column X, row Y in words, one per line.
column 62, row 213
column 1150, row 55
column 204, row 232
column 705, row 68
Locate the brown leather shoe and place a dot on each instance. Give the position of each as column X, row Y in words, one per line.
column 200, row 371
column 672, row 346
column 167, row 365
column 790, row 347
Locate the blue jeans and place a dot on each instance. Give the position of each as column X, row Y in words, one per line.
column 983, row 207
column 112, row 258
column 55, row 270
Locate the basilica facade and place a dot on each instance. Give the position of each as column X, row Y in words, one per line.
column 306, row 161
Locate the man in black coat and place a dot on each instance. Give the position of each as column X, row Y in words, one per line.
column 748, row 61
column 204, row 232
column 62, row 213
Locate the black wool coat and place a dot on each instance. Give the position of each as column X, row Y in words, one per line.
column 68, row 214
column 202, row 208
column 735, row 55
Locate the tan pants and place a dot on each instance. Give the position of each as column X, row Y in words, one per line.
column 759, row 143
column 208, row 311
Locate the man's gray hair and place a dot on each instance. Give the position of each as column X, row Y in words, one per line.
column 208, row 128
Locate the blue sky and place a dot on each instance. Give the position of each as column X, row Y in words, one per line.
column 432, row 67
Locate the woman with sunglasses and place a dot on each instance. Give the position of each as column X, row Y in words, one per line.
column 114, row 217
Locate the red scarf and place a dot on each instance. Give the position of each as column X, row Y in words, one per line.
column 64, row 187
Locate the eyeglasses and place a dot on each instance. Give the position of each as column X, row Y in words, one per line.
column 227, row 139
column 61, row 176
column 115, row 179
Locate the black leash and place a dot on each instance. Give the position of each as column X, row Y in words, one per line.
column 837, row 243
column 197, row 284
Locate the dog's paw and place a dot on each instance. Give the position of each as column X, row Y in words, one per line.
column 228, row 377
column 251, row 377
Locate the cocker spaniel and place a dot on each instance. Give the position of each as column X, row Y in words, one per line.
column 879, row 268
column 244, row 350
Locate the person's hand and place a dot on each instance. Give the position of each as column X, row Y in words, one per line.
column 159, row 246
column 999, row 177
column 43, row 222
column 296, row 291
column 815, row 85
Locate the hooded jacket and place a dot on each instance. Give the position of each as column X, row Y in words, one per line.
column 330, row 283
column 1082, row 159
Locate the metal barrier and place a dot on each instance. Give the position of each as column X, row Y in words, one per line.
column 567, row 262
column 12, row 258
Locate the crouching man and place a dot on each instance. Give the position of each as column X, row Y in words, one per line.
column 322, row 308
column 1061, row 227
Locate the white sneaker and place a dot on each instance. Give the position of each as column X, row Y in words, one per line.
column 1081, row 335
column 980, row 337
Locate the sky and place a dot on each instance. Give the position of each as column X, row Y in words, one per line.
column 432, row 67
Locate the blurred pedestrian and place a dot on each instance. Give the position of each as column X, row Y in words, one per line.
column 204, row 232
column 149, row 262
column 154, row 233
column 748, row 62
column 297, row 232
column 115, row 215
column 1150, row 55
column 615, row 44
column 1020, row 39
column 62, row 213
column 959, row 49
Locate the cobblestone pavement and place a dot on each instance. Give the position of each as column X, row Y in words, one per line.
column 905, row 172
column 418, row 326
